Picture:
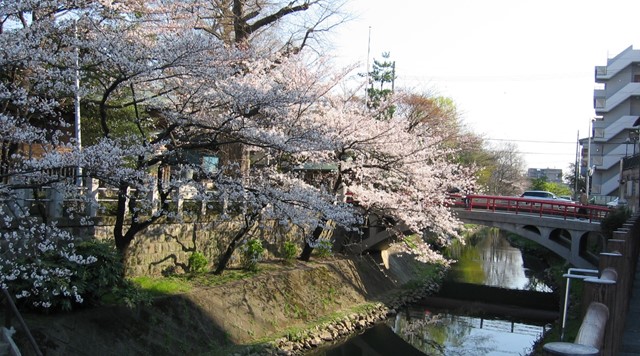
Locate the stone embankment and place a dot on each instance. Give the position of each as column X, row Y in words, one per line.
column 275, row 313
column 349, row 325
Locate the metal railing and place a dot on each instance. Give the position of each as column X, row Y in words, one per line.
column 11, row 309
column 540, row 207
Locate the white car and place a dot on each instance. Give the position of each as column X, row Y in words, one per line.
column 540, row 194
column 548, row 197
column 616, row 203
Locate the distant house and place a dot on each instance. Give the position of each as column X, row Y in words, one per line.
column 551, row 174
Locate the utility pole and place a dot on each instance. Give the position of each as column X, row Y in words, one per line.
column 366, row 86
column 77, row 105
column 576, row 167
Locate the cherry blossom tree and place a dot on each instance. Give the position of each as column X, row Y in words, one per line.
column 397, row 168
column 159, row 85
column 187, row 91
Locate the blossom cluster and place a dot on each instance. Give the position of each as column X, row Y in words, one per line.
column 37, row 263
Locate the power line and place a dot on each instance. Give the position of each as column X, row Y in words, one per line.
column 530, row 141
column 561, row 142
column 548, row 153
column 493, row 78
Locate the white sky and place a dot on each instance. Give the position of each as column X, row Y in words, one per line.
column 518, row 71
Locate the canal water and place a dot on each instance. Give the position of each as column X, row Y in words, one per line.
column 420, row 329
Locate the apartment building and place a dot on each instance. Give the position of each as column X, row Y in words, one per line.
column 614, row 133
column 550, row 174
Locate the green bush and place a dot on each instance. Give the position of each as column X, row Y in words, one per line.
column 252, row 253
column 289, row 251
column 198, row 263
column 614, row 220
column 104, row 280
column 324, row 248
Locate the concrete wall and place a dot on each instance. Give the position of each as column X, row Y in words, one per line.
column 166, row 247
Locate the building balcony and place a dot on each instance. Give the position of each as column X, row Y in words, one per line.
column 613, row 129
column 617, row 63
column 601, row 72
column 628, row 91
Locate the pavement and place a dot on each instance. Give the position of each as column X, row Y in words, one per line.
column 631, row 336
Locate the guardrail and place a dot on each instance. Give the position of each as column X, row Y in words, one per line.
column 12, row 309
column 88, row 198
column 540, row 207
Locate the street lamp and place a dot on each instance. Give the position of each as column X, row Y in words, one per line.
column 590, row 168
column 587, row 178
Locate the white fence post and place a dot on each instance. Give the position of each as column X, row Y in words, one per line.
column 55, row 202
column 91, row 208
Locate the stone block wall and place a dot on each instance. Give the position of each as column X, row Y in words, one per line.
column 166, row 247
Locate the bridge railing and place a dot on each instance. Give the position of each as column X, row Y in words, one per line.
column 566, row 210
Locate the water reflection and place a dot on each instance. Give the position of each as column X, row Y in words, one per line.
column 377, row 341
column 489, row 259
column 448, row 334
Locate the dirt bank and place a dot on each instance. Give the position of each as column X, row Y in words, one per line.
column 211, row 320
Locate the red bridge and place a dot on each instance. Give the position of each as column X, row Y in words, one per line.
column 570, row 230
column 540, row 207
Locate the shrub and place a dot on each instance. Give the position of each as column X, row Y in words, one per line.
column 615, row 219
column 39, row 265
column 73, row 274
column 252, row 253
column 198, row 263
column 324, row 248
column 104, row 281
column 289, row 251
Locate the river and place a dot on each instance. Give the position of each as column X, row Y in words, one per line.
column 488, row 259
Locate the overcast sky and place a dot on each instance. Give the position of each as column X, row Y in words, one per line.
column 518, row 71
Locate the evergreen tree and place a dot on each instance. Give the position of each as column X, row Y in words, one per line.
column 381, row 87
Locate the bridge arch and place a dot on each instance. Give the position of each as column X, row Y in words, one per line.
column 567, row 239
column 534, row 229
column 561, row 236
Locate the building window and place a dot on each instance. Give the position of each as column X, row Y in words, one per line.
column 210, row 163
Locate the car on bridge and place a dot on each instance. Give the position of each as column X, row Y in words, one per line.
column 616, row 203
column 540, row 194
column 547, row 196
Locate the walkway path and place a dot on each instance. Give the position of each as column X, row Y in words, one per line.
column 631, row 337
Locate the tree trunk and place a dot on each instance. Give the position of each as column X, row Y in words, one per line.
column 122, row 241
column 305, row 255
column 226, row 256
